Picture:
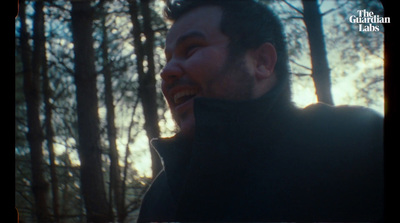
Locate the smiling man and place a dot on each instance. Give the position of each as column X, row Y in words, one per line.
column 199, row 64
column 244, row 152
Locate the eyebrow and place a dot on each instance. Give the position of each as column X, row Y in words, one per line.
column 189, row 35
column 186, row 36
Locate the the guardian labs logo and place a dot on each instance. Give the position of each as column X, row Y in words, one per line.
column 367, row 21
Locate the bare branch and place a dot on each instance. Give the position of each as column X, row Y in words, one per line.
column 293, row 7
column 25, row 197
column 301, row 74
column 296, row 17
column 305, row 67
column 375, row 80
column 334, row 9
column 61, row 62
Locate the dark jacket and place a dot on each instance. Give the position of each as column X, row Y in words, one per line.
column 265, row 160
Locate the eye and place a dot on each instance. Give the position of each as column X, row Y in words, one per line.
column 191, row 50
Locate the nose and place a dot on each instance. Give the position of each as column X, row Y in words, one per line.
column 172, row 71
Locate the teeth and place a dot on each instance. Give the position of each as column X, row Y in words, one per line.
column 181, row 94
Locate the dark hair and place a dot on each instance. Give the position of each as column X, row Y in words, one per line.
column 247, row 23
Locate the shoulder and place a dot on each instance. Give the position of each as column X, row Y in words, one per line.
column 344, row 110
column 348, row 143
column 157, row 204
column 344, row 131
column 157, row 190
column 345, row 116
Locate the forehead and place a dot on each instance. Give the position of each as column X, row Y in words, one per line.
column 205, row 20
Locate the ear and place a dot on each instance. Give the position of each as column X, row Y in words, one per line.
column 265, row 60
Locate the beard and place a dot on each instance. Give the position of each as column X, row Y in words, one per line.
column 234, row 81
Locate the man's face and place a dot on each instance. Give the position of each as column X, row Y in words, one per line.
column 199, row 65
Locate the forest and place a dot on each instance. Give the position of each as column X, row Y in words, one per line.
column 88, row 101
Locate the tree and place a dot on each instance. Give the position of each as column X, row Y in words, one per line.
column 354, row 74
column 92, row 182
column 115, row 171
column 69, row 108
column 31, row 70
column 147, row 88
column 49, row 132
column 320, row 66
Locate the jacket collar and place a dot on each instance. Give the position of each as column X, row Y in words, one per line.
column 211, row 113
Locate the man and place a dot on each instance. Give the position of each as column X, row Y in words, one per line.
column 244, row 152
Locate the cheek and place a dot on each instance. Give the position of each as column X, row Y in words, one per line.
column 206, row 65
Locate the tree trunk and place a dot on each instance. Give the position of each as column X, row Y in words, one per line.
column 31, row 70
column 115, row 172
column 127, row 150
column 320, row 66
column 50, row 146
column 92, row 182
column 147, row 82
column 49, row 134
column 147, row 89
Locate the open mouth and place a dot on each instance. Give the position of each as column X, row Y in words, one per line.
column 183, row 96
